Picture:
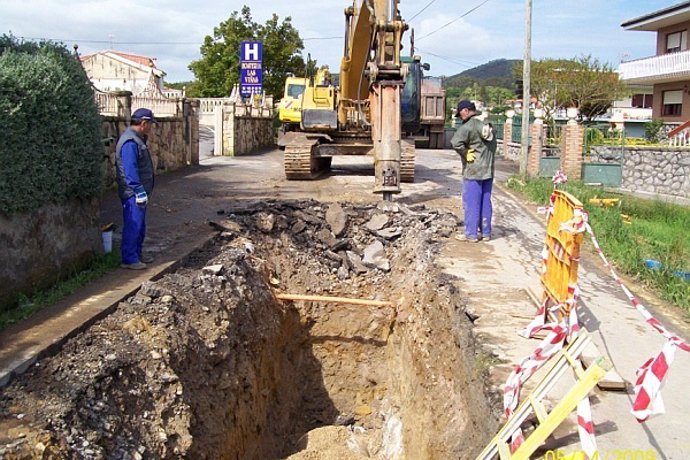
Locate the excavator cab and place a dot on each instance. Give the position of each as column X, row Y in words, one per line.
column 411, row 97
column 318, row 103
column 289, row 112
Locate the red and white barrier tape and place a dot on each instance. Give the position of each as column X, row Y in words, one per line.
column 651, row 375
column 548, row 347
column 585, row 428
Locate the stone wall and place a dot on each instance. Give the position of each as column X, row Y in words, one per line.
column 513, row 151
column 43, row 246
column 661, row 170
column 246, row 129
column 173, row 143
column 247, row 134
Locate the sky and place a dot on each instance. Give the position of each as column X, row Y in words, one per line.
column 450, row 35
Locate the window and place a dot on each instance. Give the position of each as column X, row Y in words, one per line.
column 673, row 103
column 677, row 41
column 642, row 101
column 295, row 91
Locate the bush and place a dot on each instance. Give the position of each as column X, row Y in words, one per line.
column 51, row 149
column 653, row 130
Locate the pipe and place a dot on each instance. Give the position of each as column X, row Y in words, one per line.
column 318, row 298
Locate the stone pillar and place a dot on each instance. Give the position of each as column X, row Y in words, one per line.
column 229, row 129
column 535, row 150
column 124, row 104
column 192, row 121
column 572, row 140
column 571, row 147
column 507, row 135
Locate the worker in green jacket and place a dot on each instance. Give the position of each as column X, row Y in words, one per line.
column 475, row 142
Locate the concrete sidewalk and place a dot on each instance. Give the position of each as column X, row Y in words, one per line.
column 496, row 275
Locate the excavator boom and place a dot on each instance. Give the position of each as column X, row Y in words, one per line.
column 366, row 112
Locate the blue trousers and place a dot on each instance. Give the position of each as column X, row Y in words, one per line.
column 476, row 202
column 133, row 231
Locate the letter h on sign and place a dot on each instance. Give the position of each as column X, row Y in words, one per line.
column 251, row 51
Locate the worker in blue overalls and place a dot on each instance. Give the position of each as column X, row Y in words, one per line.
column 135, row 180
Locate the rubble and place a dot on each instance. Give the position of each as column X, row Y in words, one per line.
column 205, row 362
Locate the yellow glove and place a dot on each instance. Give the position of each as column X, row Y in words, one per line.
column 471, row 155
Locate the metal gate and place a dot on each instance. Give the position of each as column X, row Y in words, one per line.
column 603, row 153
column 550, row 159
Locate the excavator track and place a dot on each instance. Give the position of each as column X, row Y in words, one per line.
column 407, row 159
column 300, row 161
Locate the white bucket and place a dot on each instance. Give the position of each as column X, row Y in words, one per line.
column 107, row 241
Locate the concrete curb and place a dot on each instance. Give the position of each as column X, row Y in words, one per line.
column 24, row 344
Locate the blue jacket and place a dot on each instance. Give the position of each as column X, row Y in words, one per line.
column 134, row 165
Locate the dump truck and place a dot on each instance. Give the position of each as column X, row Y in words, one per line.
column 363, row 116
column 433, row 116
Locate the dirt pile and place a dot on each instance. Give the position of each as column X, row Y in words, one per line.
column 205, row 362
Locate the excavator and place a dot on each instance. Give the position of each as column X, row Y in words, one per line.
column 363, row 115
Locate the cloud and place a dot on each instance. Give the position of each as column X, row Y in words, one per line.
column 173, row 30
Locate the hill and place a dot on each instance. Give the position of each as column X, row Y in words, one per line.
column 498, row 72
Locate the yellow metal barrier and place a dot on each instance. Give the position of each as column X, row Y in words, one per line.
column 559, row 276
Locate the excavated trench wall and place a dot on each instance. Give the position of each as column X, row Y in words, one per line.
column 206, row 362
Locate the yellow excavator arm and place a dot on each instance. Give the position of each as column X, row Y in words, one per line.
column 364, row 113
column 371, row 79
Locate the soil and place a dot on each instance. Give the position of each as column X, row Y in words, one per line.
column 207, row 363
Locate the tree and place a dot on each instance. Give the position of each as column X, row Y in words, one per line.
column 583, row 82
column 218, row 70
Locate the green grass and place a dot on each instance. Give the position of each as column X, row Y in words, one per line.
column 658, row 231
column 28, row 305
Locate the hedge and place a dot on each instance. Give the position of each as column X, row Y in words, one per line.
column 51, row 150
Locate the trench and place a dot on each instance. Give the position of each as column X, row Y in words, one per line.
column 207, row 363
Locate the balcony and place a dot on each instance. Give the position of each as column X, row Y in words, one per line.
column 657, row 69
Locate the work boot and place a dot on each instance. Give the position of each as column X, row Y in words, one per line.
column 465, row 238
column 146, row 258
column 134, row 266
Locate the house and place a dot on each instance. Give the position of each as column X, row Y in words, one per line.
column 118, row 71
column 668, row 72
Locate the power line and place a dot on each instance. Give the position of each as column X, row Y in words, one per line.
column 449, row 23
column 107, row 41
column 421, row 11
column 322, row 38
column 143, row 43
column 459, row 62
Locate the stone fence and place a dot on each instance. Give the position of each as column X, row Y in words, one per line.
column 174, row 142
column 242, row 129
column 45, row 245
column 655, row 170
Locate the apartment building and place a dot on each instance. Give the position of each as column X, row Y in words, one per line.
column 668, row 72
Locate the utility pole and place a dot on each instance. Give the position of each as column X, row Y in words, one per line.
column 526, row 66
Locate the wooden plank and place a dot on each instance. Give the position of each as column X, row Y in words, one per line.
column 612, row 381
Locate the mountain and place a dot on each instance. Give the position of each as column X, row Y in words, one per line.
column 498, row 72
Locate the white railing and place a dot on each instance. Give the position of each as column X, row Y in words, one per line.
column 679, row 135
column 657, row 68
column 208, row 104
column 160, row 106
column 108, row 104
column 632, row 113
